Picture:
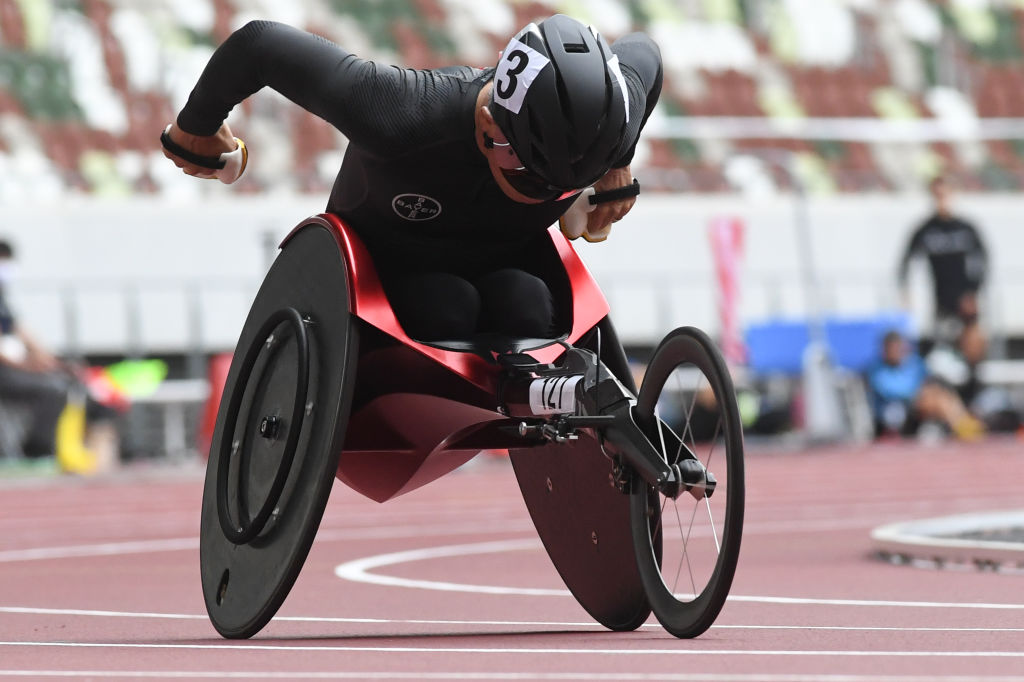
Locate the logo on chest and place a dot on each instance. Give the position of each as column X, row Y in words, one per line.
column 416, row 207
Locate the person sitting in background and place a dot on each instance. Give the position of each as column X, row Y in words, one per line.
column 904, row 396
column 959, row 367
column 62, row 421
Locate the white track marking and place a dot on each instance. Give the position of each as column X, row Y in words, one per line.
column 876, row 602
column 101, row 549
column 23, row 610
column 396, row 532
column 359, row 571
column 595, row 677
column 600, row 651
column 26, row 610
column 192, row 543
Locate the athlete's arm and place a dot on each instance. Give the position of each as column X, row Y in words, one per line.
column 640, row 63
column 977, row 259
column 364, row 100
column 914, row 246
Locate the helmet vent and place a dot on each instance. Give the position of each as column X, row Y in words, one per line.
column 576, row 48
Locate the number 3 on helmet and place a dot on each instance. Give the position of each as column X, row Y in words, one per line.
column 560, row 99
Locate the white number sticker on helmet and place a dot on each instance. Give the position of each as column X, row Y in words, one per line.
column 518, row 68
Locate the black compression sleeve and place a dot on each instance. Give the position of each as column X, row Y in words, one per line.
column 384, row 109
column 640, row 60
column 261, row 53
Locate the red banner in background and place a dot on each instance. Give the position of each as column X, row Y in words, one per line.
column 726, row 234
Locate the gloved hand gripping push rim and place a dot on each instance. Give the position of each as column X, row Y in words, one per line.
column 227, row 167
column 574, row 222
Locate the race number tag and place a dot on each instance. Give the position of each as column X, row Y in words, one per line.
column 518, row 68
column 555, row 395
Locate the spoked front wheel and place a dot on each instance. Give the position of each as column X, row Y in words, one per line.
column 687, row 548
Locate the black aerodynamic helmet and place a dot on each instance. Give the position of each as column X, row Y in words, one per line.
column 560, row 99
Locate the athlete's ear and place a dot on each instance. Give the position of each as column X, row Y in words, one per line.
column 485, row 116
column 488, row 126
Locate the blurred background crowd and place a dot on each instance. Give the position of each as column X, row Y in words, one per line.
column 813, row 127
column 83, row 83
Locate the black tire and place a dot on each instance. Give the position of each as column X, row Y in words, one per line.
column 686, row 549
column 280, row 430
column 582, row 521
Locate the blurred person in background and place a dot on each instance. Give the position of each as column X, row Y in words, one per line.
column 905, row 398
column 960, row 367
column 453, row 175
column 62, row 420
column 958, row 261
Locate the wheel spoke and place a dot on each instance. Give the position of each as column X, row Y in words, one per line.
column 686, row 545
column 714, row 531
column 714, row 440
column 661, row 432
column 689, row 417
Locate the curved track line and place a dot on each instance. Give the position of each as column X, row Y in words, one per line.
column 359, row 571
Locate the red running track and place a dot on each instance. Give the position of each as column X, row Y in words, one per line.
column 100, row 580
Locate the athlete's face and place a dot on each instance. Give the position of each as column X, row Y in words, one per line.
column 517, row 175
column 512, row 177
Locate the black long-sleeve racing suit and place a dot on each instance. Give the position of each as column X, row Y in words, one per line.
column 413, row 183
column 957, row 257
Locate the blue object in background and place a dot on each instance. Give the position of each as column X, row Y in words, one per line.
column 777, row 346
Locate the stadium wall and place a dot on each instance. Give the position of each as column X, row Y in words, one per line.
column 142, row 276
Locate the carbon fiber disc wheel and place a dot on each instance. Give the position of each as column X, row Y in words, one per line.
column 280, row 430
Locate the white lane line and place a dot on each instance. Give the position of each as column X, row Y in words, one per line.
column 24, row 610
column 34, row 611
column 595, row 677
column 598, row 651
column 876, row 602
column 359, row 571
column 392, row 532
column 192, row 543
column 101, row 549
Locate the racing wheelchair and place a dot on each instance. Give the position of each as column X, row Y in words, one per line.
column 637, row 495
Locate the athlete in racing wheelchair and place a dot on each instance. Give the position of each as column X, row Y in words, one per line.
column 431, row 313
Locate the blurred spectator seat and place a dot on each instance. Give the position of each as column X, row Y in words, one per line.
column 778, row 346
column 177, row 401
column 13, row 425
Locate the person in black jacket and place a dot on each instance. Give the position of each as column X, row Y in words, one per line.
column 958, row 261
column 451, row 174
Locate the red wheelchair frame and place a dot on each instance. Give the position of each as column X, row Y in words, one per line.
column 323, row 387
column 433, row 435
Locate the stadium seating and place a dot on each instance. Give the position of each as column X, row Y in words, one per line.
column 86, row 85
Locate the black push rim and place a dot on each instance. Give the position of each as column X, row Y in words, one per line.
column 244, row 532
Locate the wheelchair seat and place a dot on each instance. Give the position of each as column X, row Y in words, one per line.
column 490, row 346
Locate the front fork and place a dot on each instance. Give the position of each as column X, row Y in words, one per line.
column 671, row 474
column 557, row 401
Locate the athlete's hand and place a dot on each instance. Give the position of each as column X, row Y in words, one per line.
column 612, row 211
column 214, row 145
